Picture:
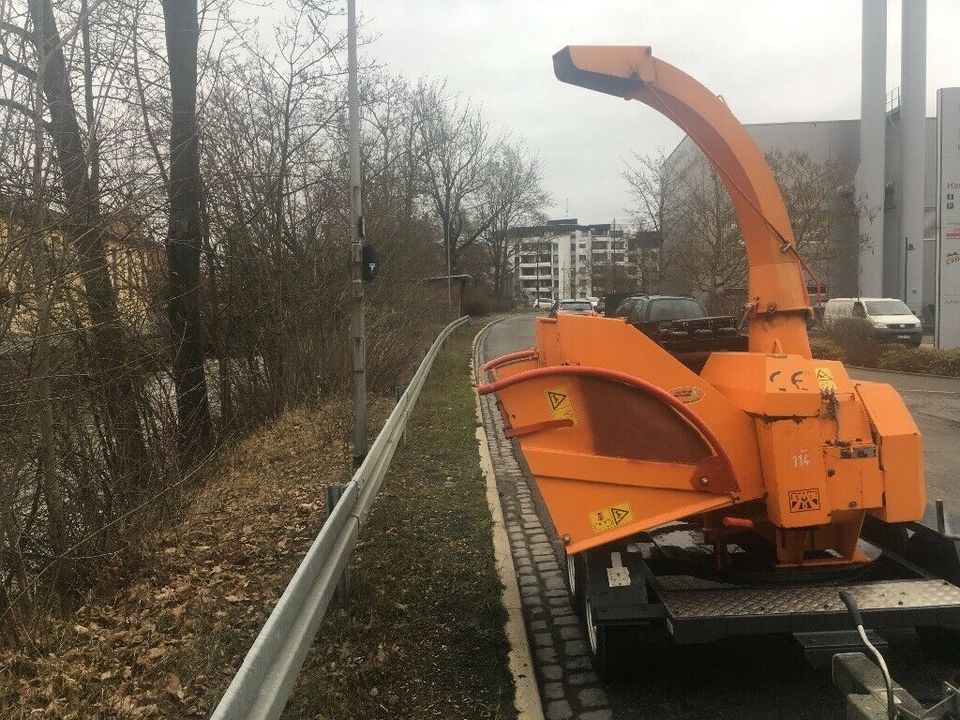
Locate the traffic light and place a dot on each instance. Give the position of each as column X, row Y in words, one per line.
column 371, row 263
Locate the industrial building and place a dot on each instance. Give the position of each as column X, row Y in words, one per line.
column 564, row 259
column 838, row 142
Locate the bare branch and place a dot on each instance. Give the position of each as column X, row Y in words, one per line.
column 18, row 67
column 26, row 111
column 20, row 32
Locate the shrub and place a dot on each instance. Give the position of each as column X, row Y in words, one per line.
column 824, row 348
column 857, row 339
column 926, row 360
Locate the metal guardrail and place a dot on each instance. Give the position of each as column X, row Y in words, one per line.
column 263, row 683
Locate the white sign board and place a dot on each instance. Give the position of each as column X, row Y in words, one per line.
column 947, row 329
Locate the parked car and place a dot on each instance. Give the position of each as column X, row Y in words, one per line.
column 572, row 307
column 681, row 324
column 612, row 301
column 892, row 320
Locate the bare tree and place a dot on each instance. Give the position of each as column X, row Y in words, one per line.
column 703, row 246
column 183, row 231
column 655, row 186
column 84, row 228
column 823, row 213
column 457, row 153
column 513, row 195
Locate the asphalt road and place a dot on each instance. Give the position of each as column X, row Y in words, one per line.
column 768, row 676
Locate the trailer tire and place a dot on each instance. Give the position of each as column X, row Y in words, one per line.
column 576, row 569
column 607, row 643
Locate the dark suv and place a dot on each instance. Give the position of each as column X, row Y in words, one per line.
column 680, row 324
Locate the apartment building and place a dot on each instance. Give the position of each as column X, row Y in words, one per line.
column 564, row 259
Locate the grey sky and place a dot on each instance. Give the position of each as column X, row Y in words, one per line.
column 773, row 60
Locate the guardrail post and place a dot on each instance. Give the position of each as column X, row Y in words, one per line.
column 332, row 494
column 403, row 438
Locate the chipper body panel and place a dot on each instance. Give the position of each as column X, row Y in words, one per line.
column 777, row 464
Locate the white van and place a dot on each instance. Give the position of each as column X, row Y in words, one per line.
column 892, row 320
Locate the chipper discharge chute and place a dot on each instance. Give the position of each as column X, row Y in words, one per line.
column 722, row 491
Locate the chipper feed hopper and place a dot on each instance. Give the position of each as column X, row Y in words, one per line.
column 723, row 491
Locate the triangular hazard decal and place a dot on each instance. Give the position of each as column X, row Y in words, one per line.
column 556, row 399
column 618, row 514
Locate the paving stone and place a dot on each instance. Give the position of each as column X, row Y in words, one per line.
column 575, row 648
column 582, row 678
column 557, row 602
column 526, row 579
column 563, row 620
column 556, row 592
column 538, row 625
column 543, row 639
column 606, row 714
column 553, row 581
column 529, row 591
column 592, row 697
column 551, row 672
column 580, row 663
column 553, row 690
column 570, row 632
column 559, row 710
column 539, row 538
column 546, row 655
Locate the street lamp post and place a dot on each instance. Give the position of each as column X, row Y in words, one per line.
column 357, row 321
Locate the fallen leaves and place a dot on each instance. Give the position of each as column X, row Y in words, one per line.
column 167, row 643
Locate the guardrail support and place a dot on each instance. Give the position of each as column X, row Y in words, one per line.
column 331, row 495
column 403, row 438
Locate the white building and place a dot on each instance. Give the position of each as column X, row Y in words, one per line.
column 563, row 259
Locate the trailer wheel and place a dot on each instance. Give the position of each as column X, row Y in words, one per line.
column 576, row 580
column 608, row 643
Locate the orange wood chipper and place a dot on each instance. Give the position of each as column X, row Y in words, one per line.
column 732, row 487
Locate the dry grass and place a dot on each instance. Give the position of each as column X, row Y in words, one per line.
column 422, row 634
column 166, row 642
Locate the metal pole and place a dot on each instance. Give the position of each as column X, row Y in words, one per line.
column 332, row 494
column 913, row 99
column 449, row 279
column 358, row 329
column 870, row 178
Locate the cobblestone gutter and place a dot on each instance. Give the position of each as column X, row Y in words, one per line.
column 568, row 686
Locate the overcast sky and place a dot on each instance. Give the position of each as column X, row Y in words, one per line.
column 772, row 60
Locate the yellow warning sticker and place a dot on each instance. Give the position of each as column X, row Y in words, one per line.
column 687, row 395
column 610, row 518
column 825, row 379
column 561, row 407
column 804, row 500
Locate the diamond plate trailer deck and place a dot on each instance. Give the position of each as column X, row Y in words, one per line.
column 664, row 580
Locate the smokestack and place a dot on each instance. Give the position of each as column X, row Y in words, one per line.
column 913, row 111
column 870, row 182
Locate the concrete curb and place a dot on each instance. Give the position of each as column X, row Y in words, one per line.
column 527, row 699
